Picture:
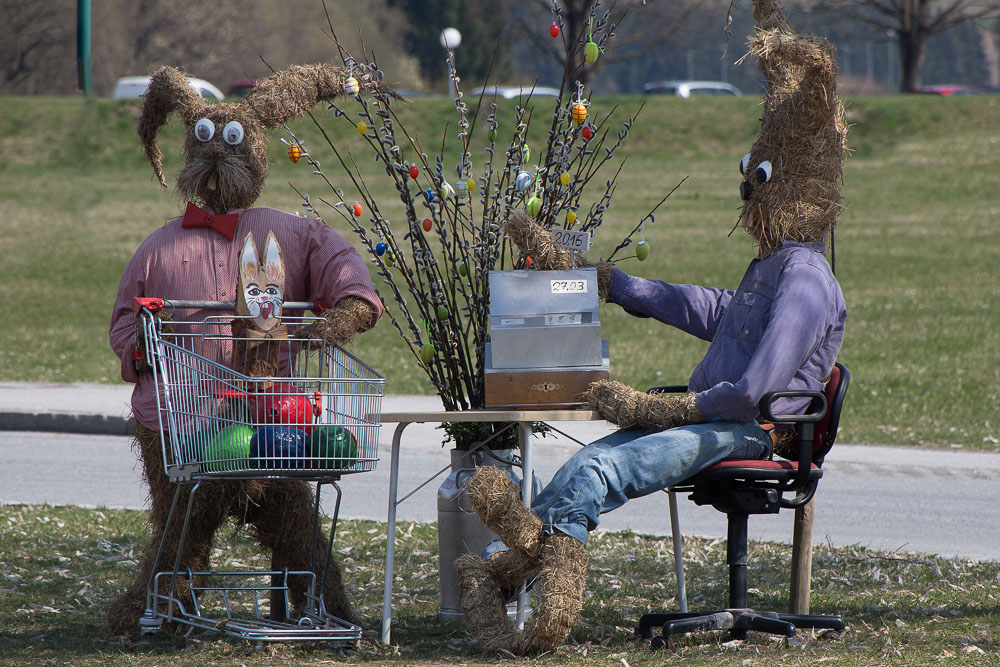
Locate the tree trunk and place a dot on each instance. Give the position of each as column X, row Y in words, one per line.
column 911, row 57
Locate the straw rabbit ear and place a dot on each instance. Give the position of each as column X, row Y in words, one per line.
column 780, row 52
column 169, row 90
column 291, row 92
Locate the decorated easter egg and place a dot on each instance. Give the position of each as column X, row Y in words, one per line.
column 642, row 251
column 414, row 171
column 554, row 30
column 447, row 190
column 351, row 85
column 587, row 132
column 283, row 403
column 426, row 224
column 526, row 154
column 522, row 181
column 380, row 248
column 427, row 353
column 430, row 194
column 357, row 210
column 294, row 153
column 461, row 187
column 332, row 447
column 590, row 52
column 564, row 178
column 579, row 113
column 279, row 448
column 229, row 449
column 362, row 128
column 534, row 205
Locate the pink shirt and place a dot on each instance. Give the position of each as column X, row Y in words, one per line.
column 201, row 264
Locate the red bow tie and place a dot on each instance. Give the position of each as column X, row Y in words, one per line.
column 224, row 223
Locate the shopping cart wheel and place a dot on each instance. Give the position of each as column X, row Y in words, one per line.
column 149, row 624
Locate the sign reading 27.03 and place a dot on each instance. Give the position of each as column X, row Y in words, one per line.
column 569, row 286
column 572, row 240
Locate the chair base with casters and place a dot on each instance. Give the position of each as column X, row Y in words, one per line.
column 740, row 488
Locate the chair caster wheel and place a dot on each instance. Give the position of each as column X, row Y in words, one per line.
column 795, row 642
column 660, row 642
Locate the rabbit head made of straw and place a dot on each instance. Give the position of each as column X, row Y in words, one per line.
column 794, row 171
column 225, row 153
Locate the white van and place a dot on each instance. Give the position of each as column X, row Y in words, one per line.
column 134, row 87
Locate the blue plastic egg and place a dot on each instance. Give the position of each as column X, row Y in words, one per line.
column 279, row 448
column 380, row 248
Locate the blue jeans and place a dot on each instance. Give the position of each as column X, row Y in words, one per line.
column 632, row 463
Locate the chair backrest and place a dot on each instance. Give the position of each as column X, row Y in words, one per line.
column 825, row 430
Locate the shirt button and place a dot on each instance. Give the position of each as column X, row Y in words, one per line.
column 223, row 294
column 220, row 265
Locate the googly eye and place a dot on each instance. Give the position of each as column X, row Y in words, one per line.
column 232, row 133
column 743, row 164
column 204, row 130
column 763, row 172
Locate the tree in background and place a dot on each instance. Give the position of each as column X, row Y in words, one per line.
column 912, row 23
column 481, row 23
column 648, row 27
column 36, row 43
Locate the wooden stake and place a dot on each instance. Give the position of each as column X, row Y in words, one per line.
column 798, row 598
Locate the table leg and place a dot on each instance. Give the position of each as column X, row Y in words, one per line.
column 528, row 472
column 390, row 533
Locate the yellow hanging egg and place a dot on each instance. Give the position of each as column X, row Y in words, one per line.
column 351, row 86
column 564, row 178
column 471, row 184
column 362, row 128
column 294, row 153
column 579, row 113
column 570, row 217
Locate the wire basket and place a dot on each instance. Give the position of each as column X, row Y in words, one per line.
column 240, row 406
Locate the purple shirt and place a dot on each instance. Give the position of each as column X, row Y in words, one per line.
column 201, row 264
column 781, row 329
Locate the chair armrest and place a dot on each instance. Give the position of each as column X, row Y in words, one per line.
column 817, row 410
column 668, row 389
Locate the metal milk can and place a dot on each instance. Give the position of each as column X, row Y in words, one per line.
column 459, row 528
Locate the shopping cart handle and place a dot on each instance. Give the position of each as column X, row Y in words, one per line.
column 152, row 304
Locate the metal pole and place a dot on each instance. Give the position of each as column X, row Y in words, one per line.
column 84, row 78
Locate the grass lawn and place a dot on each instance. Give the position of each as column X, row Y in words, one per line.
column 60, row 568
column 916, row 249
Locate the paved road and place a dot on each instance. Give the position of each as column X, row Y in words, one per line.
column 893, row 498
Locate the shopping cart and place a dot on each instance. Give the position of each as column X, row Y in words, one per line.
column 314, row 416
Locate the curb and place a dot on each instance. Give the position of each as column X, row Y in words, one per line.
column 65, row 423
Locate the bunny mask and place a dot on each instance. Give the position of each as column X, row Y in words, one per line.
column 793, row 173
column 224, row 148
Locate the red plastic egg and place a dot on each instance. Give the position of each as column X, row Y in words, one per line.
column 587, row 132
column 357, row 210
column 554, row 30
column 427, row 224
column 414, row 171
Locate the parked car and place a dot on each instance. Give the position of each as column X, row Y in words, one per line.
column 134, row 87
column 511, row 92
column 689, row 88
column 241, row 87
column 951, row 90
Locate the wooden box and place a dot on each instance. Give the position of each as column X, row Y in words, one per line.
column 541, row 388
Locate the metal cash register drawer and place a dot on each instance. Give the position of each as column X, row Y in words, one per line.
column 544, row 319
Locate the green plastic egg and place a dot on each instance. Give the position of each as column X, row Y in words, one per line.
column 463, row 270
column 642, row 251
column 534, row 206
column 590, row 52
column 427, row 353
column 443, row 312
column 332, row 447
column 228, row 450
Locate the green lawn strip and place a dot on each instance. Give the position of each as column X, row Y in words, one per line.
column 61, row 566
column 916, row 248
